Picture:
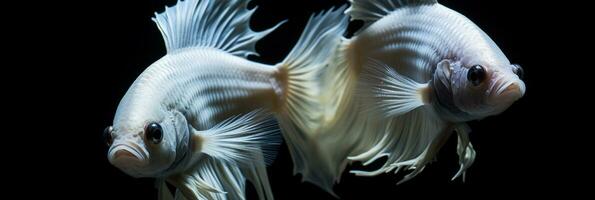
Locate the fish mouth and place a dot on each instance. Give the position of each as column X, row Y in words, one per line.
column 129, row 158
column 506, row 89
column 511, row 91
column 517, row 87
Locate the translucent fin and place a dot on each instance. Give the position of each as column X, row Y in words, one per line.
column 301, row 69
column 387, row 92
column 301, row 112
column 464, row 150
column 410, row 142
column 179, row 195
column 220, row 24
column 248, row 142
column 239, row 138
column 372, row 10
column 257, row 174
column 163, row 192
column 211, row 179
column 338, row 83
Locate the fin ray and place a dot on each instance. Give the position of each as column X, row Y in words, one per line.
column 390, row 93
column 220, row 24
column 301, row 111
column 238, row 138
column 257, row 174
column 211, row 179
column 410, row 141
column 163, row 192
column 237, row 149
column 464, row 150
column 372, row 10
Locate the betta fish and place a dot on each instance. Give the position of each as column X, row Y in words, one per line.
column 205, row 119
column 415, row 73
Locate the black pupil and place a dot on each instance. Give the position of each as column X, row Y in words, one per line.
column 476, row 74
column 154, row 133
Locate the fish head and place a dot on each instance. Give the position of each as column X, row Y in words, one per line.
column 481, row 81
column 147, row 146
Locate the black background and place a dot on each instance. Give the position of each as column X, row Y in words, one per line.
column 86, row 54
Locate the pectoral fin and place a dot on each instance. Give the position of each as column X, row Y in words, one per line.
column 389, row 93
column 237, row 139
column 227, row 154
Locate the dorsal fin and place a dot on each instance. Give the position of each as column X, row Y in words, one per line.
column 221, row 24
column 372, row 10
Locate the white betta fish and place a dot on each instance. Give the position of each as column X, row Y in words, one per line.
column 189, row 119
column 414, row 74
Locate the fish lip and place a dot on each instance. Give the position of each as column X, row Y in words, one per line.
column 504, row 97
column 503, row 92
column 512, row 89
column 136, row 151
column 502, row 85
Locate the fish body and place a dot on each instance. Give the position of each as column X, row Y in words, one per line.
column 204, row 118
column 414, row 39
column 220, row 86
column 413, row 75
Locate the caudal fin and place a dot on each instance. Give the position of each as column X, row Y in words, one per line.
column 301, row 112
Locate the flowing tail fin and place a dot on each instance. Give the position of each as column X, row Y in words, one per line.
column 301, row 111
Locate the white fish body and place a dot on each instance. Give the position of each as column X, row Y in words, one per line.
column 200, row 117
column 219, row 86
column 403, row 84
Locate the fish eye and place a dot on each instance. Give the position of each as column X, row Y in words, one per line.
column 476, row 74
column 107, row 135
column 154, row 133
column 518, row 70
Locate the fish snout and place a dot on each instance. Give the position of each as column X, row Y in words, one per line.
column 124, row 153
column 503, row 94
column 512, row 92
column 128, row 159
